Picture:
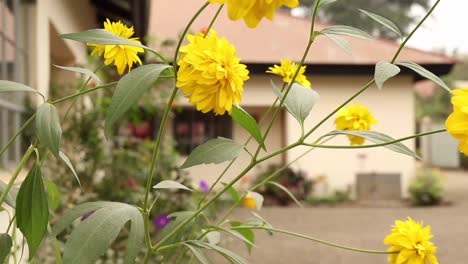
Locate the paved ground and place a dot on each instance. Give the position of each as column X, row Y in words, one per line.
column 359, row 227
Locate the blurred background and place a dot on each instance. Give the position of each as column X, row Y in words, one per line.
column 367, row 187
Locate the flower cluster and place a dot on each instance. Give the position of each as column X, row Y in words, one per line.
column 121, row 55
column 287, row 69
column 210, row 74
column 252, row 11
column 354, row 117
column 409, row 243
column 457, row 122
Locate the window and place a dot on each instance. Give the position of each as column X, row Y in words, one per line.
column 193, row 128
column 13, row 67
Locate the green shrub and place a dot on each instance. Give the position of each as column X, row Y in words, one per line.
column 427, row 187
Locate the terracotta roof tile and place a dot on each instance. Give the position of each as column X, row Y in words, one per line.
column 285, row 37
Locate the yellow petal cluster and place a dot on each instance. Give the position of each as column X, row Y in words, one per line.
column 249, row 202
column 210, row 74
column 354, row 117
column 287, row 69
column 411, row 241
column 252, row 11
column 121, row 55
column 457, row 122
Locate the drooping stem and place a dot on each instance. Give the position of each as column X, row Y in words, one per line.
column 72, row 96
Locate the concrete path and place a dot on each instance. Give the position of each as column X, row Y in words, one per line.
column 358, row 227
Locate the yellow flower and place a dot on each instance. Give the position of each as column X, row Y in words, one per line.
column 287, row 71
column 411, row 241
column 354, row 117
column 210, row 74
column 457, row 122
column 249, row 202
column 121, row 55
column 252, row 11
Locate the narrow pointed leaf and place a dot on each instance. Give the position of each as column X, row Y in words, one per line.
column 199, row 255
column 378, row 138
column 53, row 195
column 384, row 71
column 284, row 189
column 383, row 21
column 299, row 101
column 425, row 73
column 233, row 192
column 345, row 31
column 325, row 2
column 81, row 71
column 32, row 210
column 168, row 184
column 135, row 237
column 48, row 127
column 8, row 86
column 231, row 256
column 93, row 236
column 246, row 233
column 215, row 151
column 245, row 120
column 10, row 198
column 5, row 248
column 129, row 90
column 67, row 161
column 101, row 36
column 248, row 241
column 341, row 43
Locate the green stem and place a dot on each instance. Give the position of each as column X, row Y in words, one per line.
column 16, row 173
column 397, row 53
column 375, row 145
column 315, row 240
column 72, row 96
column 214, row 19
column 162, row 128
column 15, row 243
column 12, row 139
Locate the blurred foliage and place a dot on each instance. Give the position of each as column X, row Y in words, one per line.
column 346, row 12
column 338, row 196
column 295, row 181
column 427, row 187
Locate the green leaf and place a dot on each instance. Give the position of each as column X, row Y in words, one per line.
column 231, row 256
column 53, row 195
column 384, row 71
column 377, row 138
column 215, row 151
column 92, row 237
column 8, row 86
column 299, row 101
column 5, row 247
column 213, row 237
column 246, row 233
column 384, row 22
column 248, row 241
column 77, row 212
column 129, row 90
column 258, row 198
column 198, row 254
column 345, row 31
column 341, row 43
column 101, row 36
column 425, row 73
column 243, row 118
column 67, row 161
column 167, row 184
column 32, row 210
column 233, row 192
column 284, row 189
column 10, row 198
column 82, row 71
column 325, row 2
column 48, row 127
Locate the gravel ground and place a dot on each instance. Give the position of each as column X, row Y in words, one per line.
column 358, row 227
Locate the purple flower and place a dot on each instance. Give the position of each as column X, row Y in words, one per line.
column 161, row 221
column 88, row 214
column 204, row 186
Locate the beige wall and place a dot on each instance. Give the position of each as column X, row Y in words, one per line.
column 393, row 107
column 48, row 19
